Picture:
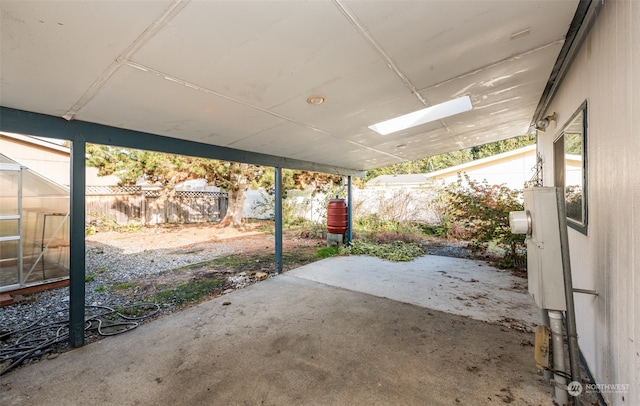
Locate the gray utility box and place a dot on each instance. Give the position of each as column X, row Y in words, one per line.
column 544, row 252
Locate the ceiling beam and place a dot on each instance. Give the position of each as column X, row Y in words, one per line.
column 43, row 125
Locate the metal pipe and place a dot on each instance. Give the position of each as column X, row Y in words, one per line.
column 557, row 340
column 585, row 291
column 570, row 313
column 278, row 218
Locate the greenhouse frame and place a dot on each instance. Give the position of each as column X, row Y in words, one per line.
column 34, row 228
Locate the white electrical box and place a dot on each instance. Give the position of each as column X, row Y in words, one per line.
column 544, row 253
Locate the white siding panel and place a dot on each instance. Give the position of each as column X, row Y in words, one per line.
column 606, row 73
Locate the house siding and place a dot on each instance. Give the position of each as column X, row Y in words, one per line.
column 49, row 162
column 606, row 73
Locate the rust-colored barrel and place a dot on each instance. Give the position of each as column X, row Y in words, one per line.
column 337, row 216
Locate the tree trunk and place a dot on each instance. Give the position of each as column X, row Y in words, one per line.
column 237, row 195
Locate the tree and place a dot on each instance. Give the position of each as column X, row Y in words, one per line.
column 168, row 170
column 442, row 161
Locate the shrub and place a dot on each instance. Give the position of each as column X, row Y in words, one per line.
column 480, row 212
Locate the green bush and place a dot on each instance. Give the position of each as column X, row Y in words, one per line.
column 370, row 226
column 479, row 212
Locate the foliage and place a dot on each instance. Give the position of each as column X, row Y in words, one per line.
column 498, row 147
column 446, row 160
column 371, row 225
column 104, row 223
column 573, row 201
column 480, row 212
column 264, row 206
column 168, row 170
column 392, row 251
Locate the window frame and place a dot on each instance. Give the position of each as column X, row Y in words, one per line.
column 559, row 157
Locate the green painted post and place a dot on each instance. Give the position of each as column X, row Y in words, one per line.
column 77, row 248
column 278, row 218
column 349, row 213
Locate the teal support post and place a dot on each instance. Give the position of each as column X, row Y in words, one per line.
column 77, row 243
column 349, row 213
column 278, row 218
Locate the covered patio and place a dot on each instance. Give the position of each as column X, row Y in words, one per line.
column 301, row 85
column 342, row 331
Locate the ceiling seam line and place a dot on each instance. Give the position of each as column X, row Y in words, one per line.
column 114, row 66
column 378, row 48
column 493, row 65
column 193, row 86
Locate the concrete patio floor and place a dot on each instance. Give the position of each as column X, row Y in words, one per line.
column 342, row 331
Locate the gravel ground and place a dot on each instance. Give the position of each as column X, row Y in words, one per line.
column 105, row 266
column 119, row 258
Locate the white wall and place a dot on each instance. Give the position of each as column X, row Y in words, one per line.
column 52, row 162
column 606, row 73
column 513, row 169
column 48, row 162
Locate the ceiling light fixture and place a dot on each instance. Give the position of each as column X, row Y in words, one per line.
column 316, row 100
column 424, row 116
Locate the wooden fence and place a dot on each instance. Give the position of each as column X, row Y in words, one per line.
column 129, row 204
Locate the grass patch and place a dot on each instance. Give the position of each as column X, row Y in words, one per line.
column 101, row 288
column 253, row 262
column 90, row 277
column 190, row 291
column 123, row 285
column 327, row 252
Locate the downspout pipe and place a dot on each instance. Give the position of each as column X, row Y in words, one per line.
column 572, row 331
column 557, row 340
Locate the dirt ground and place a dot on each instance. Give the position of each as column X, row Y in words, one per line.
column 252, row 237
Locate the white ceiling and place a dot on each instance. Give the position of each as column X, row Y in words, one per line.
column 238, row 73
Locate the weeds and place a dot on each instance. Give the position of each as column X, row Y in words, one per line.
column 190, row 291
column 123, row 285
column 104, row 223
column 397, row 251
